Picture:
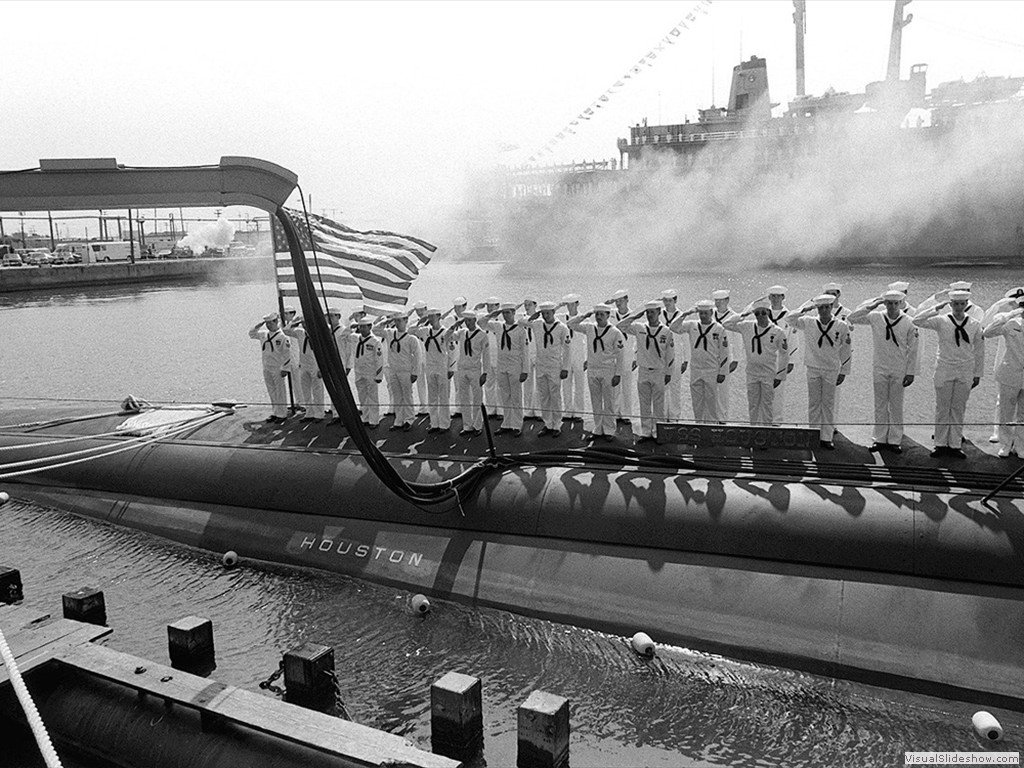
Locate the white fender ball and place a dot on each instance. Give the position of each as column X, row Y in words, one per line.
column 420, row 604
column 230, row 559
column 642, row 644
column 986, row 726
column 4, row 498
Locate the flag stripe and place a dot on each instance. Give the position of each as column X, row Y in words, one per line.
column 377, row 266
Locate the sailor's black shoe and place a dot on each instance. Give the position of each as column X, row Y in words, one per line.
column 827, row 445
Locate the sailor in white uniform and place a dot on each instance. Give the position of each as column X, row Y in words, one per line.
column 449, row 319
column 293, row 369
column 552, row 353
column 1005, row 304
column 405, row 357
column 368, row 369
column 275, row 350
column 438, row 362
column 1009, row 327
column 655, row 359
column 310, row 383
column 674, row 392
column 973, row 310
column 839, row 312
column 419, row 309
column 828, row 355
column 530, row 386
column 625, row 396
column 894, row 366
column 709, row 358
column 490, row 394
column 471, row 369
column 723, row 313
column 605, row 362
column 959, row 366
column 777, row 313
column 511, row 365
column 767, row 356
column 574, row 386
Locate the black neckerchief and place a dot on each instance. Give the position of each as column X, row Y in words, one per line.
column 958, row 330
column 396, row 342
column 755, row 342
column 702, row 335
column 653, row 337
column 467, row 343
column 823, row 330
column 506, row 339
column 888, row 328
column 270, row 338
column 599, row 337
column 549, row 335
column 433, row 337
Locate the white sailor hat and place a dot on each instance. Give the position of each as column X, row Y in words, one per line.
column 832, row 287
column 670, row 293
column 493, row 300
column 602, row 308
column 959, row 295
column 420, row 305
column 1015, row 293
column 705, row 304
column 546, row 306
column 719, row 295
column 960, row 285
column 432, row 311
column 654, row 304
column 894, row 295
column 824, row 300
column 899, row 285
column 333, row 311
column 777, row 290
column 571, row 298
column 470, row 313
column 364, row 320
column 270, row 316
column 507, row 305
column 761, row 304
column 460, row 301
column 289, row 308
column 621, row 294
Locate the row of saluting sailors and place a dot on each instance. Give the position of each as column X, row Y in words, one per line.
column 537, row 363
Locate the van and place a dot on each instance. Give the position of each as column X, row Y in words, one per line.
column 109, row 250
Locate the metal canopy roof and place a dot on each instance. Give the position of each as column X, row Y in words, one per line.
column 96, row 183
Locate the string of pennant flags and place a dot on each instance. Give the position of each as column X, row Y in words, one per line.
column 646, row 61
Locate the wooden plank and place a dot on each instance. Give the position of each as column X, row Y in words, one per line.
column 34, row 638
column 357, row 743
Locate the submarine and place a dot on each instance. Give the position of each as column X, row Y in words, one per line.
column 905, row 574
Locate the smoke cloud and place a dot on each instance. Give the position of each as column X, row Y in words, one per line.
column 859, row 189
column 211, row 234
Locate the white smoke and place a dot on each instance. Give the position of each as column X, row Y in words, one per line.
column 862, row 190
column 210, row 234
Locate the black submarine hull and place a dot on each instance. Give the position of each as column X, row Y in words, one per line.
column 896, row 585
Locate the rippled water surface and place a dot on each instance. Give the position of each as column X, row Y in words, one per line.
column 177, row 342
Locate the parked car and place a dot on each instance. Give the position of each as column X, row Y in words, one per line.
column 38, row 257
column 12, row 260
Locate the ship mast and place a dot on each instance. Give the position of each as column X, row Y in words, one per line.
column 892, row 74
column 800, row 21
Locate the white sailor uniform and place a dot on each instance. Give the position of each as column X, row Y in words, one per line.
column 511, row 362
column 368, row 370
column 310, row 386
column 573, row 387
column 1010, row 377
column 474, row 361
column 724, row 387
column 767, row 358
column 437, row 362
column 827, row 355
column 275, row 350
column 895, row 355
column 405, row 357
column 655, row 359
column 709, row 358
column 959, row 360
column 552, row 355
column 605, row 360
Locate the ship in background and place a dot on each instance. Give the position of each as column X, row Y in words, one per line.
column 894, row 175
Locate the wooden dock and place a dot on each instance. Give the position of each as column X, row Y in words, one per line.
column 38, row 641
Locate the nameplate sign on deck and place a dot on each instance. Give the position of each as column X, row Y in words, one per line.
column 738, row 436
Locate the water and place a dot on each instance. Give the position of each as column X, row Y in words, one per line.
column 176, row 342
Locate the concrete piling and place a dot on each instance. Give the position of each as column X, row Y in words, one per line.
column 11, row 589
column 190, row 645
column 85, row 604
column 543, row 740
column 309, row 676
column 456, row 716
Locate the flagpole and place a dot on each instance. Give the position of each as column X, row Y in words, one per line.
column 280, row 314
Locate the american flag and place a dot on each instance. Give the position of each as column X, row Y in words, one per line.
column 375, row 267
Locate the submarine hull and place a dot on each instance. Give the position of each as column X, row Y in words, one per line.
column 897, row 586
